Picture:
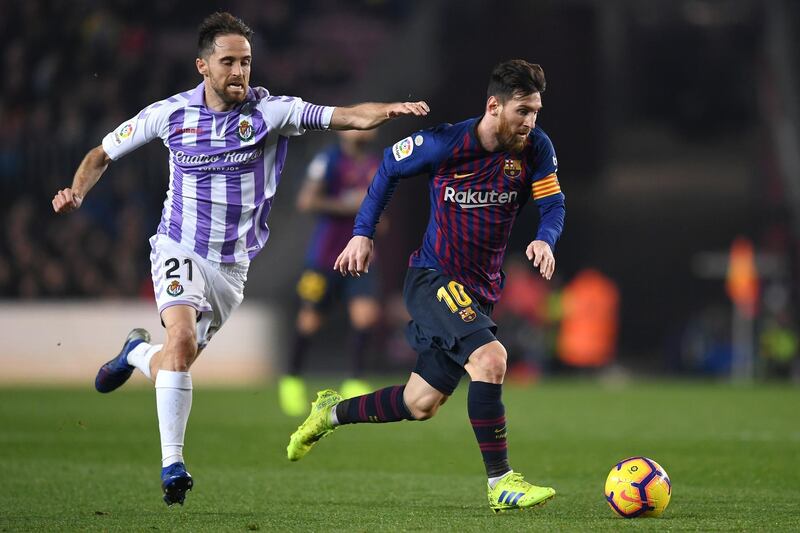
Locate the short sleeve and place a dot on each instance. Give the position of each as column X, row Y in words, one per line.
column 415, row 154
column 150, row 123
column 291, row 116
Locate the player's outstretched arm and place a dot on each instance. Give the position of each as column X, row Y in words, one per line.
column 542, row 256
column 355, row 257
column 371, row 115
column 91, row 168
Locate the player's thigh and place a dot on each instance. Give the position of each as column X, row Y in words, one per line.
column 225, row 294
column 180, row 276
column 447, row 326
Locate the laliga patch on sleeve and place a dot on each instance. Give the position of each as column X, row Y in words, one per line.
column 403, row 149
column 124, row 132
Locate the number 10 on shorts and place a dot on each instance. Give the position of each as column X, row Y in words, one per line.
column 454, row 296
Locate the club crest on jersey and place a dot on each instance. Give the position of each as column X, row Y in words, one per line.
column 467, row 314
column 175, row 288
column 403, row 149
column 512, row 168
column 245, row 130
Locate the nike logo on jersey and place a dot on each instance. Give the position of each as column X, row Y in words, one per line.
column 459, row 176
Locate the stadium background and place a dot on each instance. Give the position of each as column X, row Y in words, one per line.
column 675, row 123
column 676, row 126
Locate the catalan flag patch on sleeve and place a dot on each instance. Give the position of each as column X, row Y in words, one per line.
column 547, row 186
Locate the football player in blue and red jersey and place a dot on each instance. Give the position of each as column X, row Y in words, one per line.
column 336, row 183
column 481, row 172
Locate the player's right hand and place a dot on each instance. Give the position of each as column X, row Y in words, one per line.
column 355, row 257
column 66, row 201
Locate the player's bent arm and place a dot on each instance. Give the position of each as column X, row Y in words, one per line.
column 370, row 115
column 551, row 223
column 551, row 220
column 89, row 171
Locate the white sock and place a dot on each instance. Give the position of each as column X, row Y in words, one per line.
column 173, row 402
column 334, row 418
column 141, row 355
column 493, row 480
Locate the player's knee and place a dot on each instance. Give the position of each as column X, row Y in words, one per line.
column 364, row 313
column 181, row 347
column 491, row 363
column 308, row 321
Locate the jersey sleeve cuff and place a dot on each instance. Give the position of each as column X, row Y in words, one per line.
column 108, row 146
column 316, row 117
column 363, row 232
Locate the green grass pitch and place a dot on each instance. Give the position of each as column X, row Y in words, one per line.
column 71, row 459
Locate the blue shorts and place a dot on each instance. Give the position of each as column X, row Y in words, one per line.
column 447, row 325
column 320, row 288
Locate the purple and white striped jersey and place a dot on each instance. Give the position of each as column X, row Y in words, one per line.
column 224, row 166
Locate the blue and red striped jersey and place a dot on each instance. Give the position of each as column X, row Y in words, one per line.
column 475, row 196
column 341, row 176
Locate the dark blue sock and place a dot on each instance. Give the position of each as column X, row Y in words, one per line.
column 384, row 405
column 488, row 418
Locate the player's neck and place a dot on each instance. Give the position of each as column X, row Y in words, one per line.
column 487, row 135
column 214, row 102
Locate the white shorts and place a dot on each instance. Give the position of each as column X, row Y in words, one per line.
column 181, row 277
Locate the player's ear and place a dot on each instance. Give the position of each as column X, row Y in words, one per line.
column 493, row 106
column 202, row 66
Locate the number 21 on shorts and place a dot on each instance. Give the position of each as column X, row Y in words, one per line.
column 172, row 265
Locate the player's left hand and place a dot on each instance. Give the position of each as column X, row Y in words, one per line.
column 400, row 109
column 542, row 256
column 355, row 257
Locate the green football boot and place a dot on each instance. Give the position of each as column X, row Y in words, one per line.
column 317, row 425
column 292, row 396
column 512, row 492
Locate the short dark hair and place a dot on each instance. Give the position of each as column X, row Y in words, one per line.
column 220, row 23
column 515, row 77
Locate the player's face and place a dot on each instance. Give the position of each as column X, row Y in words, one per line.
column 517, row 117
column 227, row 68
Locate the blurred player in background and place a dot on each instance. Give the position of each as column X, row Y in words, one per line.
column 481, row 172
column 227, row 145
column 336, row 182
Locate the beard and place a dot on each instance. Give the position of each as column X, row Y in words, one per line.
column 230, row 97
column 509, row 140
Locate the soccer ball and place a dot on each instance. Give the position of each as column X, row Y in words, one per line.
column 638, row 486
